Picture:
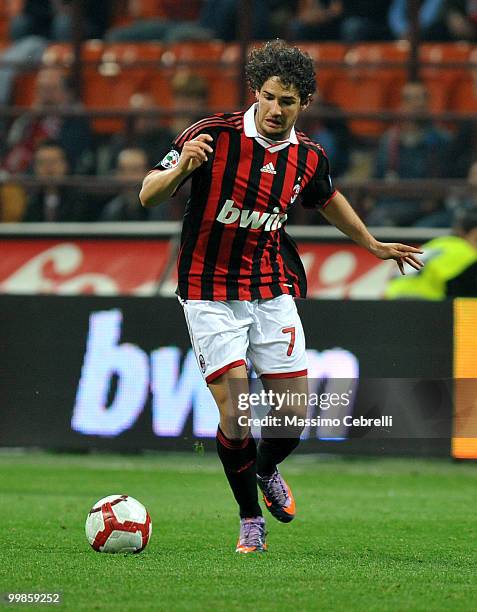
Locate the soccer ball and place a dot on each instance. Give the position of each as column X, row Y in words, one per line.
column 118, row 524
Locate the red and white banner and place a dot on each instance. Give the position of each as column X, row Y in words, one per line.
column 147, row 267
column 90, row 266
column 341, row 270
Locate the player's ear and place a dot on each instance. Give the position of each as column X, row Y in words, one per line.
column 257, row 94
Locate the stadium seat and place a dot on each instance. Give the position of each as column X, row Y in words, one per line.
column 123, row 69
column 463, row 99
column 166, row 9
column 128, row 53
column 442, row 79
column 24, row 88
column 323, row 54
column 61, row 54
column 8, row 9
column 224, row 83
column 214, row 60
column 367, row 80
column 12, row 203
column 58, row 54
column 362, row 86
column 193, row 52
column 4, row 27
column 148, row 9
column 445, row 53
column 463, row 95
column 392, row 69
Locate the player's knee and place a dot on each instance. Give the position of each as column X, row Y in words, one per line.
column 298, row 410
column 232, row 427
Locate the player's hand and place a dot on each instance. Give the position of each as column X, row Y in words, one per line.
column 401, row 253
column 195, row 153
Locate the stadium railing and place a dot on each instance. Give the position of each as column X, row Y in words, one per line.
column 171, row 229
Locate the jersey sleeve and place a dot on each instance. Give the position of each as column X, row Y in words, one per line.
column 319, row 191
column 171, row 158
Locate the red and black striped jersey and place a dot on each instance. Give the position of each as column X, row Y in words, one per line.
column 233, row 242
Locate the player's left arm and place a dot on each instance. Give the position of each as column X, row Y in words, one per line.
column 341, row 214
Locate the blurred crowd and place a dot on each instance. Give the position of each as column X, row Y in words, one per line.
column 49, row 145
column 314, row 20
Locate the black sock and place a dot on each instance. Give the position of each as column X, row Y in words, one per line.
column 272, row 451
column 238, row 459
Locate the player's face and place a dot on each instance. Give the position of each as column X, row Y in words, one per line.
column 278, row 109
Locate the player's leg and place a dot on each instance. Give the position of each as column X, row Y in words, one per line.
column 277, row 349
column 235, row 446
column 219, row 335
column 278, row 442
column 237, row 451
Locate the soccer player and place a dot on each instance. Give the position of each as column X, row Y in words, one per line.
column 239, row 271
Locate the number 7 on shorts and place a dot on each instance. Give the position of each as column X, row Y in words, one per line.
column 291, row 331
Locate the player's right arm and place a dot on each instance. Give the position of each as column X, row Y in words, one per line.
column 159, row 184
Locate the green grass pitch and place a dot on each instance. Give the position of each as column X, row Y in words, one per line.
column 370, row 534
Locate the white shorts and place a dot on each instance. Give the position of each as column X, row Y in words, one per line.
column 268, row 332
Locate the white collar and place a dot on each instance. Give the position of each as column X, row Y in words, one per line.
column 250, row 130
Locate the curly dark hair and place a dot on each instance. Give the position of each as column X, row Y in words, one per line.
column 291, row 65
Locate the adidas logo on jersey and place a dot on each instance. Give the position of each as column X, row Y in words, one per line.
column 268, row 168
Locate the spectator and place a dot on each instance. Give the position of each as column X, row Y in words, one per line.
column 332, row 133
column 73, row 133
column 464, row 146
column 174, row 21
column 222, row 17
column 132, row 166
column 412, row 149
column 40, row 22
column 431, row 20
column 53, row 19
column 52, row 202
column 280, row 14
column 190, row 94
column 456, row 200
column 451, row 265
column 32, row 19
column 334, row 136
column 29, row 50
column 146, row 133
column 463, row 149
column 190, row 97
column 364, row 20
column 317, row 20
column 461, row 19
